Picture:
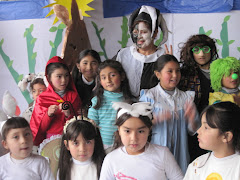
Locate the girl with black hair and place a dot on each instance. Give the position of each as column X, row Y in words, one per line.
column 82, row 151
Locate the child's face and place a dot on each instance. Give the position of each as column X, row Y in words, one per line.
column 59, row 79
column 19, row 142
column 209, row 138
column 169, row 76
column 110, row 79
column 229, row 82
column 134, row 135
column 81, row 149
column 142, row 34
column 38, row 89
column 88, row 67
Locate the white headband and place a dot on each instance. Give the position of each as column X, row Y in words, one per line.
column 135, row 110
column 79, row 118
column 152, row 12
column 1, row 126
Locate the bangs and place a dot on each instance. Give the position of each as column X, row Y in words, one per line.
column 81, row 127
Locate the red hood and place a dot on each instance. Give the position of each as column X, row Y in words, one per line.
column 57, row 59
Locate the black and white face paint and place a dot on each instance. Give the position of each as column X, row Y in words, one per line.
column 141, row 35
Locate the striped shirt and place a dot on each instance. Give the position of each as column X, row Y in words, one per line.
column 105, row 116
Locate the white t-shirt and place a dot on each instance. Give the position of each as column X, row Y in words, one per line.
column 208, row 166
column 83, row 170
column 155, row 163
column 34, row 167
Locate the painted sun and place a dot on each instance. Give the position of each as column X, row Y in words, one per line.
column 82, row 4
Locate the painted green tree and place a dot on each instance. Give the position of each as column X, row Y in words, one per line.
column 30, row 40
column 223, row 41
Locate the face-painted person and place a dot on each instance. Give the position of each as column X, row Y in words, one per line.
column 138, row 59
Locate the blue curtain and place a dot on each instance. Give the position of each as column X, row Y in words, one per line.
column 23, row 9
column 116, row 8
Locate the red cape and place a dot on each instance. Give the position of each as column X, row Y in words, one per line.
column 41, row 124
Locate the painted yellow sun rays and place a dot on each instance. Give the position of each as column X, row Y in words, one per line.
column 82, row 4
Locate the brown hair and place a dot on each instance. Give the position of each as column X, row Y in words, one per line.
column 186, row 54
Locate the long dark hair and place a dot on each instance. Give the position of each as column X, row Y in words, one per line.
column 159, row 65
column 82, row 54
column 125, row 88
column 186, row 54
column 225, row 117
column 89, row 132
column 145, row 119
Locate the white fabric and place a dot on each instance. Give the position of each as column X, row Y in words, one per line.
column 83, row 170
column 155, row 163
column 34, row 167
column 135, row 109
column 85, row 80
column 227, row 168
column 27, row 114
column 152, row 12
column 133, row 63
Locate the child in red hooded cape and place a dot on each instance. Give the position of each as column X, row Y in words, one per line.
column 48, row 117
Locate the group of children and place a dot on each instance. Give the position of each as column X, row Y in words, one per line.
column 144, row 140
column 163, row 118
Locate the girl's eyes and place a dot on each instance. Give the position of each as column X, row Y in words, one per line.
column 88, row 142
column 126, row 131
column 15, row 137
column 75, row 143
column 141, row 131
column 27, row 134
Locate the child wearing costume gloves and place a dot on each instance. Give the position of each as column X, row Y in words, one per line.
column 134, row 157
column 50, row 114
column 20, row 163
column 82, row 151
column 220, row 134
column 224, row 74
column 174, row 111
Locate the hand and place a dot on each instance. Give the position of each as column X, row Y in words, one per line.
column 190, row 112
column 52, row 110
column 66, row 112
column 168, row 51
column 162, row 116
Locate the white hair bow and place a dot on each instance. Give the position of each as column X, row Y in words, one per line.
column 135, row 110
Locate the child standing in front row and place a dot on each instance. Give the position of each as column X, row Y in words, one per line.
column 20, row 163
column 49, row 116
column 112, row 86
column 134, row 157
column 219, row 133
column 82, row 151
column 84, row 74
column 174, row 111
column 224, row 75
